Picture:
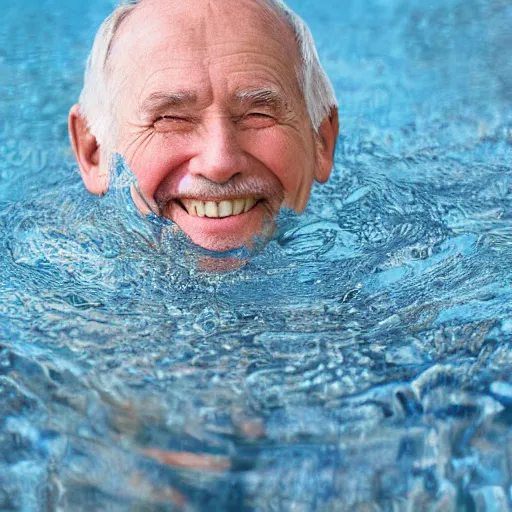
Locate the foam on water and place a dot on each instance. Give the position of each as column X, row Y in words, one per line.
column 361, row 360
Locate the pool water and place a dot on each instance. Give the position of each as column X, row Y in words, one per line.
column 361, row 361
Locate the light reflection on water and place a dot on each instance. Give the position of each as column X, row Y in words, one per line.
column 360, row 361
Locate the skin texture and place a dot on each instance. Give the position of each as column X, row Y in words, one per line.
column 209, row 107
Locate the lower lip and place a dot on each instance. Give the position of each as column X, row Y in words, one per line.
column 219, row 234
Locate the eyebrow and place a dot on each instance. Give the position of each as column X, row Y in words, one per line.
column 160, row 101
column 263, row 98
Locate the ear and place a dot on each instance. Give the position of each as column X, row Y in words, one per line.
column 87, row 152
column 327, row 135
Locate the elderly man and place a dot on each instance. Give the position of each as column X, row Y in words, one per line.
column 220, row 108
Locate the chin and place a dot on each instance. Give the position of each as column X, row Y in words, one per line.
column 225, row 243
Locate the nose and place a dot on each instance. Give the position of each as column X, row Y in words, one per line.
column 220, row 156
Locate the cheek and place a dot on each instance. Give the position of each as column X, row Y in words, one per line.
column 289, row 158
column 153, row 160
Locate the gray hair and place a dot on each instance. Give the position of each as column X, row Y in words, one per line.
column 98, row 96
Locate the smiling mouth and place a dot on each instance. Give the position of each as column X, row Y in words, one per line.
column 218, row 209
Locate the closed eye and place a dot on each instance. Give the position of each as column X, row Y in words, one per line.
column 257, row 120
column 170, row 123
column 172, row 118
column 262, row 114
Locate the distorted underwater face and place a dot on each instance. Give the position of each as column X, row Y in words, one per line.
column 212, row 120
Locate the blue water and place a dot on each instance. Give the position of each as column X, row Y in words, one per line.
column 361, row 361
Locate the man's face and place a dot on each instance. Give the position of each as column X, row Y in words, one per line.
column 211, row 117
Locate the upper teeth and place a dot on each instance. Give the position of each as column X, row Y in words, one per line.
column 218, row 209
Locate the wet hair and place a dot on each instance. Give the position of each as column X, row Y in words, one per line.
column 97, row 100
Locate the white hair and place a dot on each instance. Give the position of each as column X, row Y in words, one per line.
column 97, row 100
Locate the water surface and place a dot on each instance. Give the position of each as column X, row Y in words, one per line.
column 361, row 361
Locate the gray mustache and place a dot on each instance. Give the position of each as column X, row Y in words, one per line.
column 204, row 189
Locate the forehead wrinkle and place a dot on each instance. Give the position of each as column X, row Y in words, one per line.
column 203, row 23
column 206, row 20
column 265, row 20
